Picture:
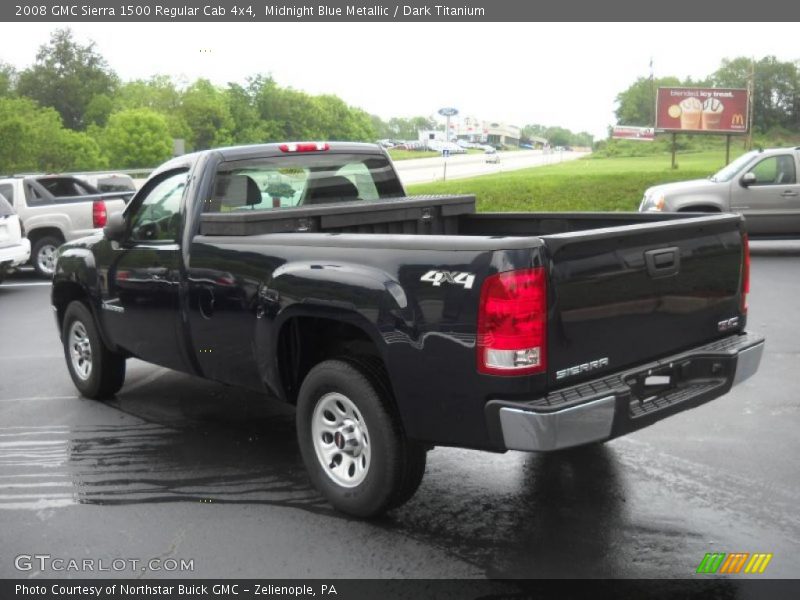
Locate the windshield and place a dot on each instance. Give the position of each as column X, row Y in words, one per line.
column 729, row 172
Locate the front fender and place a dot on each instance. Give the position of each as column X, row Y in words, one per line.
column 686, row 203
column 76, row 278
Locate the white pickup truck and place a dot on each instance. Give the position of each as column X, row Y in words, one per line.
column 54, row 209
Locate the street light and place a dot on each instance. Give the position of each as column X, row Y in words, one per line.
column 447, row 112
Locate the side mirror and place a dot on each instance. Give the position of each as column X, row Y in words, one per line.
column 115, row 227
column 748, row 179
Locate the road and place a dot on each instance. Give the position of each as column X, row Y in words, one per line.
column 423, row 170
column 179, row 468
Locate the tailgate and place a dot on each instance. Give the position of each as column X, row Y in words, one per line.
column 622, row 296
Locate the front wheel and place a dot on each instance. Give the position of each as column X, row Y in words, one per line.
column 95, row 370
column 352, row 442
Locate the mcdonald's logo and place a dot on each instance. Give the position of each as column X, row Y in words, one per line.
column 737, row 120
column 734, row 563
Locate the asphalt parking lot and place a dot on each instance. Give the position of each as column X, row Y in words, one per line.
column 180, row 468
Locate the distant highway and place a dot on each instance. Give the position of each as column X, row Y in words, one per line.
column 422, row 170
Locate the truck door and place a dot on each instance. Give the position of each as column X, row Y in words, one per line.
column 771, row 205
column 141, row 310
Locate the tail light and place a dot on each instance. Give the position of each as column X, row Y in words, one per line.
column 305, row 147
column 512, row 323
column 99, row 214
column 745, row 271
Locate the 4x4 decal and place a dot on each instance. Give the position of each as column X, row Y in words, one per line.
column 437, row 278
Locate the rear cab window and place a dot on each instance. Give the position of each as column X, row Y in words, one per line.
column 66, row 186
column 279, row 182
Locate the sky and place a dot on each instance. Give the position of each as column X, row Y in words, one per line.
column 519, row 73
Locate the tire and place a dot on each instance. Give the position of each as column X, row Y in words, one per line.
column 97, row 372
column 352, row 442
column 43, row 255
column 416, row 460
column 416, row 454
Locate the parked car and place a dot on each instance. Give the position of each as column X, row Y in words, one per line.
column 762, row 185
column 440, row 146
column 394, row 323
column 57, row 208
column 15, row 250
column 492, row 156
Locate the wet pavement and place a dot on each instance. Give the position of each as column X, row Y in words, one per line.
column 176, row 467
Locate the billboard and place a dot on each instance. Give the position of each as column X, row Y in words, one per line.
column 641, row 134
column 702, row 110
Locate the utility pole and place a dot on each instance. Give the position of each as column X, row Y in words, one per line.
column 653, row 93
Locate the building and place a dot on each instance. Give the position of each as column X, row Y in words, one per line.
column 476, row 130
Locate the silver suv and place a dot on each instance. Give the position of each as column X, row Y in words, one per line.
column 762, row 185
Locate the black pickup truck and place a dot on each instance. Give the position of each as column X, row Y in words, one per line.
column 396, row 323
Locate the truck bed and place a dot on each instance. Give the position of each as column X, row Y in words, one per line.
column 416, row 215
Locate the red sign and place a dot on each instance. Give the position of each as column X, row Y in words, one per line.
column 704, row 110
column 642, row 134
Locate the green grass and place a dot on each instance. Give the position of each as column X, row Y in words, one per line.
column 600, row 184
column 407, row 154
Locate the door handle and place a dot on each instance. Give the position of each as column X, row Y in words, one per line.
column 788, row 194
column 663, row 262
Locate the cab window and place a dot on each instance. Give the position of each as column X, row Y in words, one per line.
column 157, row 217
column 301, row 180
column 775, row 170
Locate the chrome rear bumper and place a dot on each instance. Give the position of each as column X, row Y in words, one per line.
column 542, row 425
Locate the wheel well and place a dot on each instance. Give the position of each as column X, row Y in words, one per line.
column 63, row 294
column 306, row 341
column 37, row 234
column 701, row 208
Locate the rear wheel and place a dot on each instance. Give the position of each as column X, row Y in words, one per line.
column 43, row 255
column 95, row 370
column 352, row 442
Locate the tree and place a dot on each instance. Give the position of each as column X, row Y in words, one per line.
column 8, row 78
column 776, row 90
column 206, row 112
column 98, row 110
column 159, row 93
column 334, row 120
column 34, row 139
column 137, row 137
column 80, row 152
column 248, row 126
column 66, row 76
column 637, row 104
column 398, row 128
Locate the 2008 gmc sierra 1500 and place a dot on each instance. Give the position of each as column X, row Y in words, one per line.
column 397, row 323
